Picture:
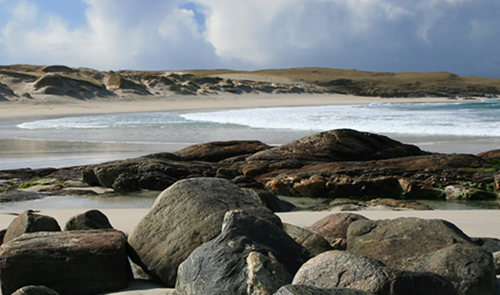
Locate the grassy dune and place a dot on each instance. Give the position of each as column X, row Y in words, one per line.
column 409, row 84
column 380, row 83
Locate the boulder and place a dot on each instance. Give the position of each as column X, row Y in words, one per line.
column 340, row 269
column 220, row 150
column 339, row 145
column 29, row 222
column 74, row 262
column 35, row 290
column 314, row 243
column 311, row 290
column 425, row 245
column 185, row 216
column 334, row 228
column 250, row 256
column 156, row 171
column 470, row 268
column 399, row 241
column 92, row 219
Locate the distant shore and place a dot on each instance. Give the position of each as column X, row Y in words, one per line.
column 132, row 104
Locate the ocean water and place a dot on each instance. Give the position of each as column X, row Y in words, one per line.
column 470, row 127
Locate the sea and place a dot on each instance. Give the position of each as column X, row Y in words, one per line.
column 454, row 127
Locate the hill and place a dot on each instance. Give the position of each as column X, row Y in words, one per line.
column 26, row 82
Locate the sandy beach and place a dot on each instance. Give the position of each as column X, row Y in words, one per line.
column 71, row 106
column 475, row 223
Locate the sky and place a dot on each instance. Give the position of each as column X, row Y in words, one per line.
column 457, row 36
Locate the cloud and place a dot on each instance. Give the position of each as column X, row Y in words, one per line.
column 381, row 35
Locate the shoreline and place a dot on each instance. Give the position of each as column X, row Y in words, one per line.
column 39, row 152
column 73, row 107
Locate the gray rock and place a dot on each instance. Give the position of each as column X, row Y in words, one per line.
column 489, row 244
column 183, row 217
column 334, row 228
column 29, row 222
column 250, row 256
column 314, row 243
column 92, row 219
column 35, row 290
column 340, row 269
column 426, row 245
column 74, row 262
column 311, row 290
column 400, row 241
column 470, row 268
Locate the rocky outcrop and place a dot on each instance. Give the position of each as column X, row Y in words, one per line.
column 332, row 164
column 76, row 262
column 250, row 256
column 30, row 222
column 426, row 245
column 185, row 216
column 413, row 177
column 339, row 269
column 339, row 145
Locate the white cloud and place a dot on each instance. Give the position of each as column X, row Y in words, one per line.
column 389, row 35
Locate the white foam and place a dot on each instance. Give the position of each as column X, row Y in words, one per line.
column 419, row 119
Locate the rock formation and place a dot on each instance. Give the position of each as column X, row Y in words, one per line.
column 332, row 164
column 76, row 262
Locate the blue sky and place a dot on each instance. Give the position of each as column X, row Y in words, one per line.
column 458, row 36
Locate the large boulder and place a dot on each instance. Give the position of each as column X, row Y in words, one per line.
column 75, row 262
column 339, row 145
column 185, row 216
column 334, row 228
column 155, row 172
column 470, row 268
column 425, row 245
column 250, row 256
column 340, row 269
column 92, row 219
column 311, row 290
column 29, row 222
